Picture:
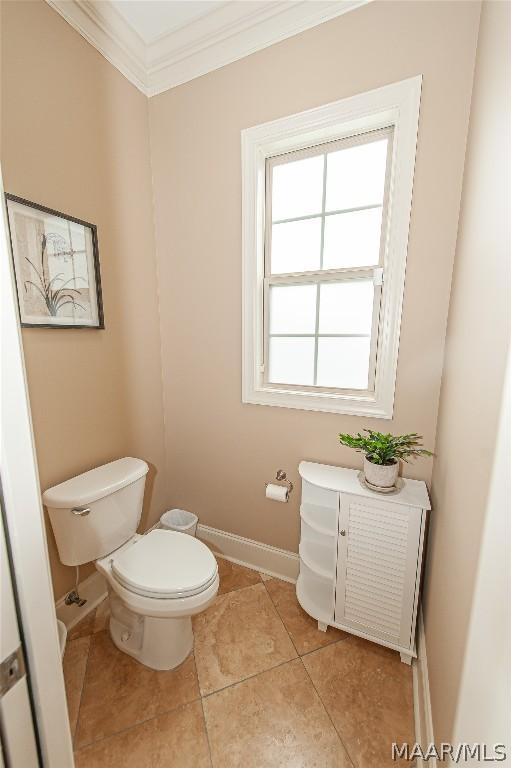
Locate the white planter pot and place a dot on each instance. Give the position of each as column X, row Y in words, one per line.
column 381, row 475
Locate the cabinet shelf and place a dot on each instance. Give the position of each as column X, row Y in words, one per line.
column 315, row 594
column 318, row 550
column 321, row 519
column 306, row 558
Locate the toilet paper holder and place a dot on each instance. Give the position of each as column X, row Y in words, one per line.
column 281, row 476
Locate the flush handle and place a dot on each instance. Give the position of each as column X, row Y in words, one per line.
column 80, row 511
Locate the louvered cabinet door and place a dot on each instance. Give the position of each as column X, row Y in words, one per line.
column 378, row 568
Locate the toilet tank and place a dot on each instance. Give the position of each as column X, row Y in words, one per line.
column 96, row 512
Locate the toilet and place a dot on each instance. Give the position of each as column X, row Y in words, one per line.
column 156, row 582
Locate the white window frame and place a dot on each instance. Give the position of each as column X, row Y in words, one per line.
column 397, row 106
column 322, row 276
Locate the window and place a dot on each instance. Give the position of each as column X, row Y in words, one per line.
column 326, row 205
column 325, row 208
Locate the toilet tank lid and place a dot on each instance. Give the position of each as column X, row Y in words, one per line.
column 95, row 484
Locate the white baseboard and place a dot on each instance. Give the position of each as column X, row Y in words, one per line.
column 421, row 696
column 252, row 554
column 93, row 589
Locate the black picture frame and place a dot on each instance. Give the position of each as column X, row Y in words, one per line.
column 96, row 304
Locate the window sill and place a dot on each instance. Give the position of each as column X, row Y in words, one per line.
column 349, row 405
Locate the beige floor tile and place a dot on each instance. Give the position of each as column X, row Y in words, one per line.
column 84, row 628
column 174, row 740
column 233, row 576
column 302, row 627
column 368, row 693
column 74, row 666
column 274, row 719
column 102, row 616
column 239, row 636
column 265, row 577
column 119, row 692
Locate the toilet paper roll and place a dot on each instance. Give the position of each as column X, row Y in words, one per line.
column 277, row 492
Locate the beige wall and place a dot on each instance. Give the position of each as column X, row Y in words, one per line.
column 75, row 138
column 221, row 452
column 478, row 337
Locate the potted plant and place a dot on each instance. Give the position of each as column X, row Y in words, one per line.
column 383, row 453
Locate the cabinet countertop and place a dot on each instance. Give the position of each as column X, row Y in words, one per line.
column 414, row 493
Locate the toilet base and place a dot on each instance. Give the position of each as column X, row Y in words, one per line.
column 160, row 644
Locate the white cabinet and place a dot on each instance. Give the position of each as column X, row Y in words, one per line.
column 361, row 555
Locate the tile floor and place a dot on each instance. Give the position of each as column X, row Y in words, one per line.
column 263, row 689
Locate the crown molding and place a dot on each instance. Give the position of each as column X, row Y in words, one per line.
column 224, row 35
column 104, row 28
column 230, row 33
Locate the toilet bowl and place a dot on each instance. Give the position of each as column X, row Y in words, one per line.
column 156, row 582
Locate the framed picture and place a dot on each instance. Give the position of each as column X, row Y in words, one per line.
column 56, row 264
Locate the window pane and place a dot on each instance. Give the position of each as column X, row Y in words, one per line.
column 356, row 176
column 346, row 307
column 343, row 363
column 352, row 239
column 292, row 308
column 295, row 246
column 297, row 188
column 291, row 361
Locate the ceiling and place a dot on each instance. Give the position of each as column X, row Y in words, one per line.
column 159, row 44
column 153, row 18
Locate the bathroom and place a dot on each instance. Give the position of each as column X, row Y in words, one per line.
column 157, row 157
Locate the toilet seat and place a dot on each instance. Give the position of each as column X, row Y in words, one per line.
column 165, row 564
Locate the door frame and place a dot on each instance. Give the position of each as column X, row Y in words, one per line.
column 18, row 735
column 25, row 530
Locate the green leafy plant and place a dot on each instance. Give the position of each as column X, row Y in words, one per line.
column 56, row 292
column 386, row 449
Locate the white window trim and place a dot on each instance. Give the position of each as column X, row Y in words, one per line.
column 397, row 105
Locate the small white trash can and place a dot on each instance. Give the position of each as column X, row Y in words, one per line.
column 179, row 520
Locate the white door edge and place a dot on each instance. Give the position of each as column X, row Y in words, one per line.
column 26, row 533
